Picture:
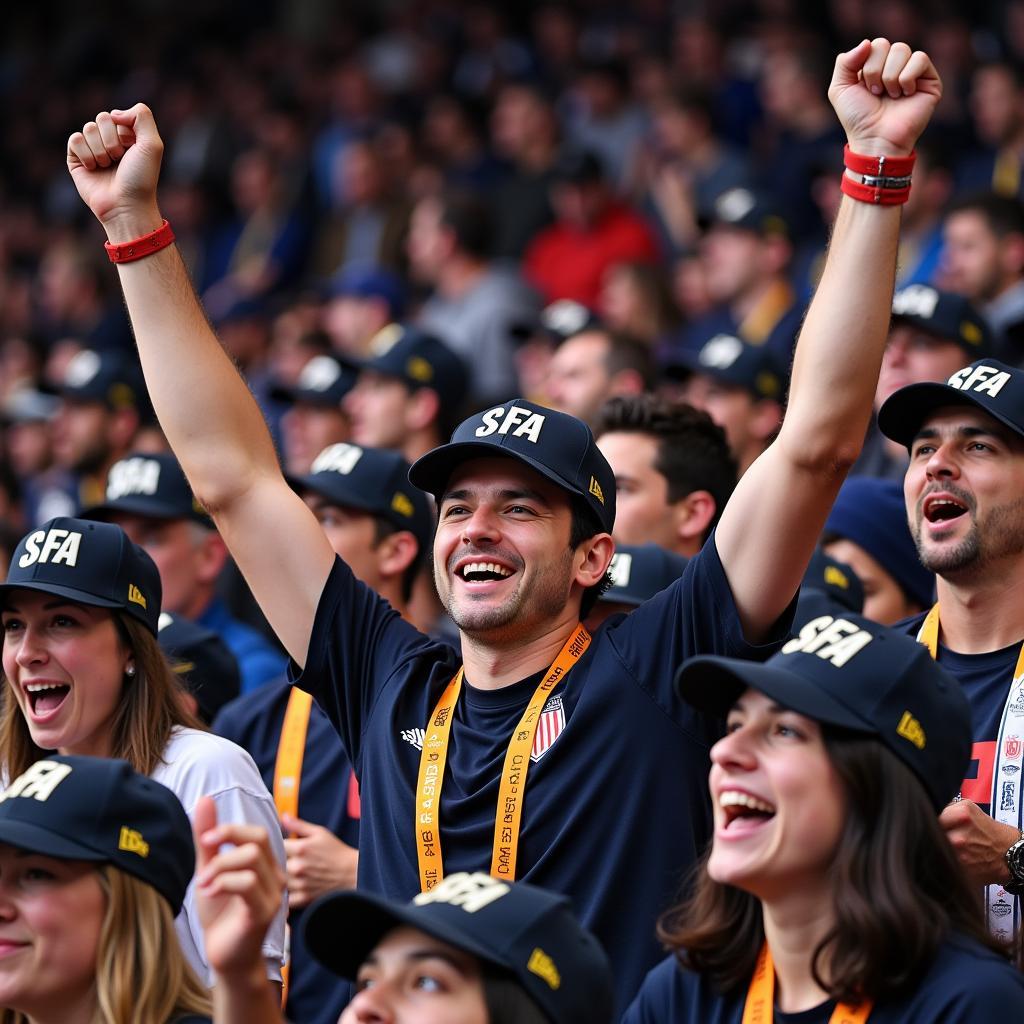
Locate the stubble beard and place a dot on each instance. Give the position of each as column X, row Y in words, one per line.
column 1000, row 535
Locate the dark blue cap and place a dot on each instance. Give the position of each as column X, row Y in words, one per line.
column 375, row 480
column 736, row 363
column 88, row 562
column 829, row 587
column 986, row 384
column 639, row 571
column 100, row 810
column 109, row 377
column 151, row 485
column 323, row 381
column 201, row 659
column 555, row 444
column 369, row 282
column 558, row 321
column 419, row 360
column 746, row 209
column 577, row 166
column 871, row 513
column 853, row 673
column 945, row 315
column 527, row 931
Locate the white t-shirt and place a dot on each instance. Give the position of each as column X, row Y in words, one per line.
column 199, row 764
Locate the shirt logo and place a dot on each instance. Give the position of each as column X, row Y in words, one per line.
column 833, row 640
column 131, row 841
column 526, row 423
column 414, row 736
column 337, row 458
column 471, row 892
column 544, row 967
column 910, row 729
column 133, row 476
column 979, row 378
column 57, row 546
column 135, row 595
column 549, row 728
column 38, row 782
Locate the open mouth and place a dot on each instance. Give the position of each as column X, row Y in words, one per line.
column 943, row 508
column 738, row 806
column 482, row 572
column 45, row 698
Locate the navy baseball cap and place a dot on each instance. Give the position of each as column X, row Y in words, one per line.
column 945, row 315
column 872, row 514
column 639, row 571
column 558, row 321
column 152, row 485
column 829, row 587
column 111, row 378
column 734, row 362
column 375, row 480
column 89, row 562
column 100, row 810
column 555, row 444
column 369, row 282
column 201, row 659
column 419, row 360
column 525, row 930
column 323, row 381
column 987, row 384
column 747, row 210
column 851, row 672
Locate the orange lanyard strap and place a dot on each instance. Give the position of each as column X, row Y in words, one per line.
column 290, row 750
column 760, row 1005
column 508, row 816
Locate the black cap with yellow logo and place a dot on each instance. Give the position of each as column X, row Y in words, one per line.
column 91, row 563
column 100, row 810
column 852, row 672
column 529, row 932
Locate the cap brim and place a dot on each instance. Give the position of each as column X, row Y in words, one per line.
column 904, row 411
column 341, row 929
column 135, row 507
column 713, row 684
column 337, row 492
column 36, row 839
column 82, row 597
column 431, row 472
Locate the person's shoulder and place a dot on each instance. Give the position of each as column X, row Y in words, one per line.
column 911, row 625
column 671, row 993
column 966, row 963
column 192, row 750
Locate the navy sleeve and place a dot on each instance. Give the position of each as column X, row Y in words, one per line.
column 357, row 644
column 696, row 615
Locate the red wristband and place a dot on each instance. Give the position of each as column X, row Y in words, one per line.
column 879, row 166
column 875, row 196
column 138, row 248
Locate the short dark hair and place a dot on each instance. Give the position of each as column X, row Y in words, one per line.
column 627, row 353
column 467, row 216
column 898, row 891
column 1003, row 214
column 693, row 454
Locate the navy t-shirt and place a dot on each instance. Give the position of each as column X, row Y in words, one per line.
column 967, row 984
column 327, row 796
column 616, row 808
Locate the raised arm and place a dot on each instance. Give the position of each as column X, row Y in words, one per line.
column 205, row 408
column 884, row 96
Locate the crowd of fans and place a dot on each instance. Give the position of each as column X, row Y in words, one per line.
column 399, row 216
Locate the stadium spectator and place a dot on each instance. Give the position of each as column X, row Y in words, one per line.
column 360, row 301
column 673, row 472
column 638, row 572
column 996, row 98
column 475, row 303
column 85, row 675
column 983, row 259
column 839, row 753
column 203, row 662
column 593, row 230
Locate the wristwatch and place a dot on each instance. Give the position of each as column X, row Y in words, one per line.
column 1014, row 857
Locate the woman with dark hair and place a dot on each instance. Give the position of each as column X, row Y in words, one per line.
column 830, row 892
column 85, row 675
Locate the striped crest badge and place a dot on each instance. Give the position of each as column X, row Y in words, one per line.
column 549, row 728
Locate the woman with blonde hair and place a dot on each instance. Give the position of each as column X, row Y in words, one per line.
column 94, row 863
column 85, row 675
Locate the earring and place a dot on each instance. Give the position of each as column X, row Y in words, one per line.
column 130, row 671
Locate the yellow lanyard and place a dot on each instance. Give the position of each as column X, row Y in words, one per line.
column 760, row 1005
column 509, row 812
column 929, row 636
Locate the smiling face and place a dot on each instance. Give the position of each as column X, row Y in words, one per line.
column 65, row 664
column 412, row 978
column 502, row 561
column 51, row 913
column 964, row 492
column 778, row 803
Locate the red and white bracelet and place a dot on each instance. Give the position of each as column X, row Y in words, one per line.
column 885, row 180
